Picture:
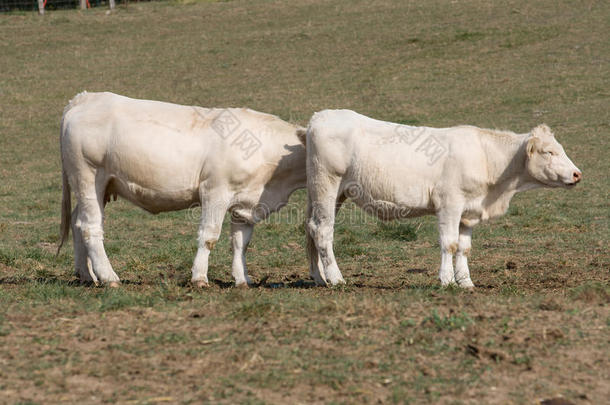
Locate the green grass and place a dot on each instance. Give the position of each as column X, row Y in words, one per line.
column 449, row 322
column 397, row 231
column 535, row 328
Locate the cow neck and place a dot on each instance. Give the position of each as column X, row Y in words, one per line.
column 506, row 171
column 505, row 155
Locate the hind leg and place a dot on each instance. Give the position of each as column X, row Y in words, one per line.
column 90, row 223
column 82, row 263
column 321, row 227
column 316, row 268
column 315, row 264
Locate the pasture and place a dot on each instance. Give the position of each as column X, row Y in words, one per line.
column 536, row 327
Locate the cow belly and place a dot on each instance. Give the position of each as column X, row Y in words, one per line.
column 389, row 200
column 389, row 210
column 153, row 200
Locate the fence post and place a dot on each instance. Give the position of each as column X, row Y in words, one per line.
column 111, row 4
column 41, row 7
column 83, row 4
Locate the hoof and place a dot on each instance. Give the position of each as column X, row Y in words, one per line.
column 320, row 282
column 337, row 282
column 201, row 284
column 86, row 278
column 466, row 284
column 242, row 286
column 114, row 284
column 447, row 283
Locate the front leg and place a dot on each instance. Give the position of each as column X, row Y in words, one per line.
column 212, row 213
column 448, row 228
column 241, row 232
column 462, row 273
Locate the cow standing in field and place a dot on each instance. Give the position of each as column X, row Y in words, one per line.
column 463, row 174
column 166, row 157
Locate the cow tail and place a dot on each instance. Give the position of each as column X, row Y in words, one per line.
column 312, row 251
column 302, row 135
column 66, row 210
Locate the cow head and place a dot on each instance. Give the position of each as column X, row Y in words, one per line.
column 547, row 162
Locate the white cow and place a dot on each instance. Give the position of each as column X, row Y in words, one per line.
column 463, row 174
column 166, row 157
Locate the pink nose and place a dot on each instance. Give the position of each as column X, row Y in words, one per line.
column 577, row 176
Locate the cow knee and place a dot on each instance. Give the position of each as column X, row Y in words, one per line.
column 449, row 247
column 464, row 248
column 207, row 241
column 208, row 236
column 449, row 242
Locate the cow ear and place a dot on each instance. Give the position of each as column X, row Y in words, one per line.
column 532, row 145
column 542, row 130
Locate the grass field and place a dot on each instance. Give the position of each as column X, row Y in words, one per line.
column 536, row 327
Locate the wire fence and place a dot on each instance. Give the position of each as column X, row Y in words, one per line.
column 35, row 5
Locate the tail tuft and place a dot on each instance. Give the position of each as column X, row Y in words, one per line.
column 302, row 135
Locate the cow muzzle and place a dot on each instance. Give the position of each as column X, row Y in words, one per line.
column 576, row 178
